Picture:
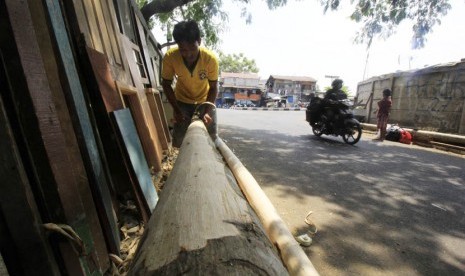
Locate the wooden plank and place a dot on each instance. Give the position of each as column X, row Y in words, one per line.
column 150, row 141
column 145, row 53
column 134, row 155
column 24, row 244
column 89, row 147
column 139, row 118
column 112, row 27
column 73, row 151
column 44, row 143
column 163, row 118
column 83, row 24
column 106, row 84
column 93, row 26
column 156, row 117
column 102, row 24
column 105, row 97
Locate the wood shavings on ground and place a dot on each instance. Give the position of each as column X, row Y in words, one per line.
column 159, row 178
column 132, row 227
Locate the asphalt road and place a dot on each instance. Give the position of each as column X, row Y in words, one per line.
column 380, row 208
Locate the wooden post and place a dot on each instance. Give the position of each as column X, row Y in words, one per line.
column 202, row 224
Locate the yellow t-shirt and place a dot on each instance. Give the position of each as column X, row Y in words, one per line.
column 191, row 87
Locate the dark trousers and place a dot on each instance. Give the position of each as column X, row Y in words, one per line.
column 180, row 129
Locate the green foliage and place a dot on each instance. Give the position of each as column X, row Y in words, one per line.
column 237, row 63
column 140, row 4
column 380, row 18
column 208, row 13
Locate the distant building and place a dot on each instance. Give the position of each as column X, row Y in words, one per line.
column 291, row 89
column 239, row 88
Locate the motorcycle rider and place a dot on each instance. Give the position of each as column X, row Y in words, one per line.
column 332, row 97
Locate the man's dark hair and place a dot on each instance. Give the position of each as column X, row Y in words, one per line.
column 186, row 31
column 387, row 92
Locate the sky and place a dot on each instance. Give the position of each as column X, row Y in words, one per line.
column 300, row 40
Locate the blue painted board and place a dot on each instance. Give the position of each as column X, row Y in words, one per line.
column 130, row 143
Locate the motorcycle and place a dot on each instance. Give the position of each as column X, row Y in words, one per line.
column 333, row 118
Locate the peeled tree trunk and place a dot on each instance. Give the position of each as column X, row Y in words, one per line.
column 202, row 224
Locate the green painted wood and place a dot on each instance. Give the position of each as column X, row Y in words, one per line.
column 89, row 144
column 130, row 144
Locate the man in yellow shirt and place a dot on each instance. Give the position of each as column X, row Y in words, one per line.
column 196, row 70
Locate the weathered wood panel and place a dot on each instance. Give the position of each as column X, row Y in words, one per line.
column 157, row 116
column 145, row 53
column 163, row 116
column 94, row 27
column 150, row 141
column 106, row 83
column 74, row 154
column 83, row 26
column 90, row 149
column 112, row 27
column 24, row 244
column 44, row 141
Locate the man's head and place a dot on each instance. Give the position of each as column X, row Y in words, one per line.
column 187, row 35
column 387, row 92
column 337, row 84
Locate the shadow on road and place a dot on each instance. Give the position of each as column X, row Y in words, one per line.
column 389, row 209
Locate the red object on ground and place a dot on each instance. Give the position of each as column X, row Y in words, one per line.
column 405, row 137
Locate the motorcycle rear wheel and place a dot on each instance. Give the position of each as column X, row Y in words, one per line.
column 353, row 135
column 317, row 129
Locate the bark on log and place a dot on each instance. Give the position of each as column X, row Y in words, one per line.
column 202, row 224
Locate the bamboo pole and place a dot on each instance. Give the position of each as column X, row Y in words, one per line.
column 292, row 254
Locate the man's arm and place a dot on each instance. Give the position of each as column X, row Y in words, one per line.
column 212, row 92
column 211, row 97
column 168, row 89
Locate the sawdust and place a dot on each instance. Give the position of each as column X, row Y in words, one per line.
column 132, row 227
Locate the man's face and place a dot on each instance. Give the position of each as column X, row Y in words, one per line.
column 189, row 51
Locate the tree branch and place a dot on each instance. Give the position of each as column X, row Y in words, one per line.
column 161, row 6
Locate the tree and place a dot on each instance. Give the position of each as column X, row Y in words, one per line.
column 378, row 17
column 237, row 63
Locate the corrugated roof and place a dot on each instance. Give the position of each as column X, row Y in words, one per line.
column 240, row 75
column 293, row 78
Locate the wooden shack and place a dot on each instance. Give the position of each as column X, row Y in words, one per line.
column 66, row 69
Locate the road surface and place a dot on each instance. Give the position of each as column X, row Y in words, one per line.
column 380, row 208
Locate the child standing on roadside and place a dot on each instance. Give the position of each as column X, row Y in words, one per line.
column 382, row 114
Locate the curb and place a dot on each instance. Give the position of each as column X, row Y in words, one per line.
column 450, row 142
column 269, row 108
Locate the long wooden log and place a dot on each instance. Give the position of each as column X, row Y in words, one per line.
column 202, row 224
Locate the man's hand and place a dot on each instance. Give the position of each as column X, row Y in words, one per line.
column 207, row 119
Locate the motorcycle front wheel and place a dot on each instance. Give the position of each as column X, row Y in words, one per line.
column 353, row 134
column 317, row 129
